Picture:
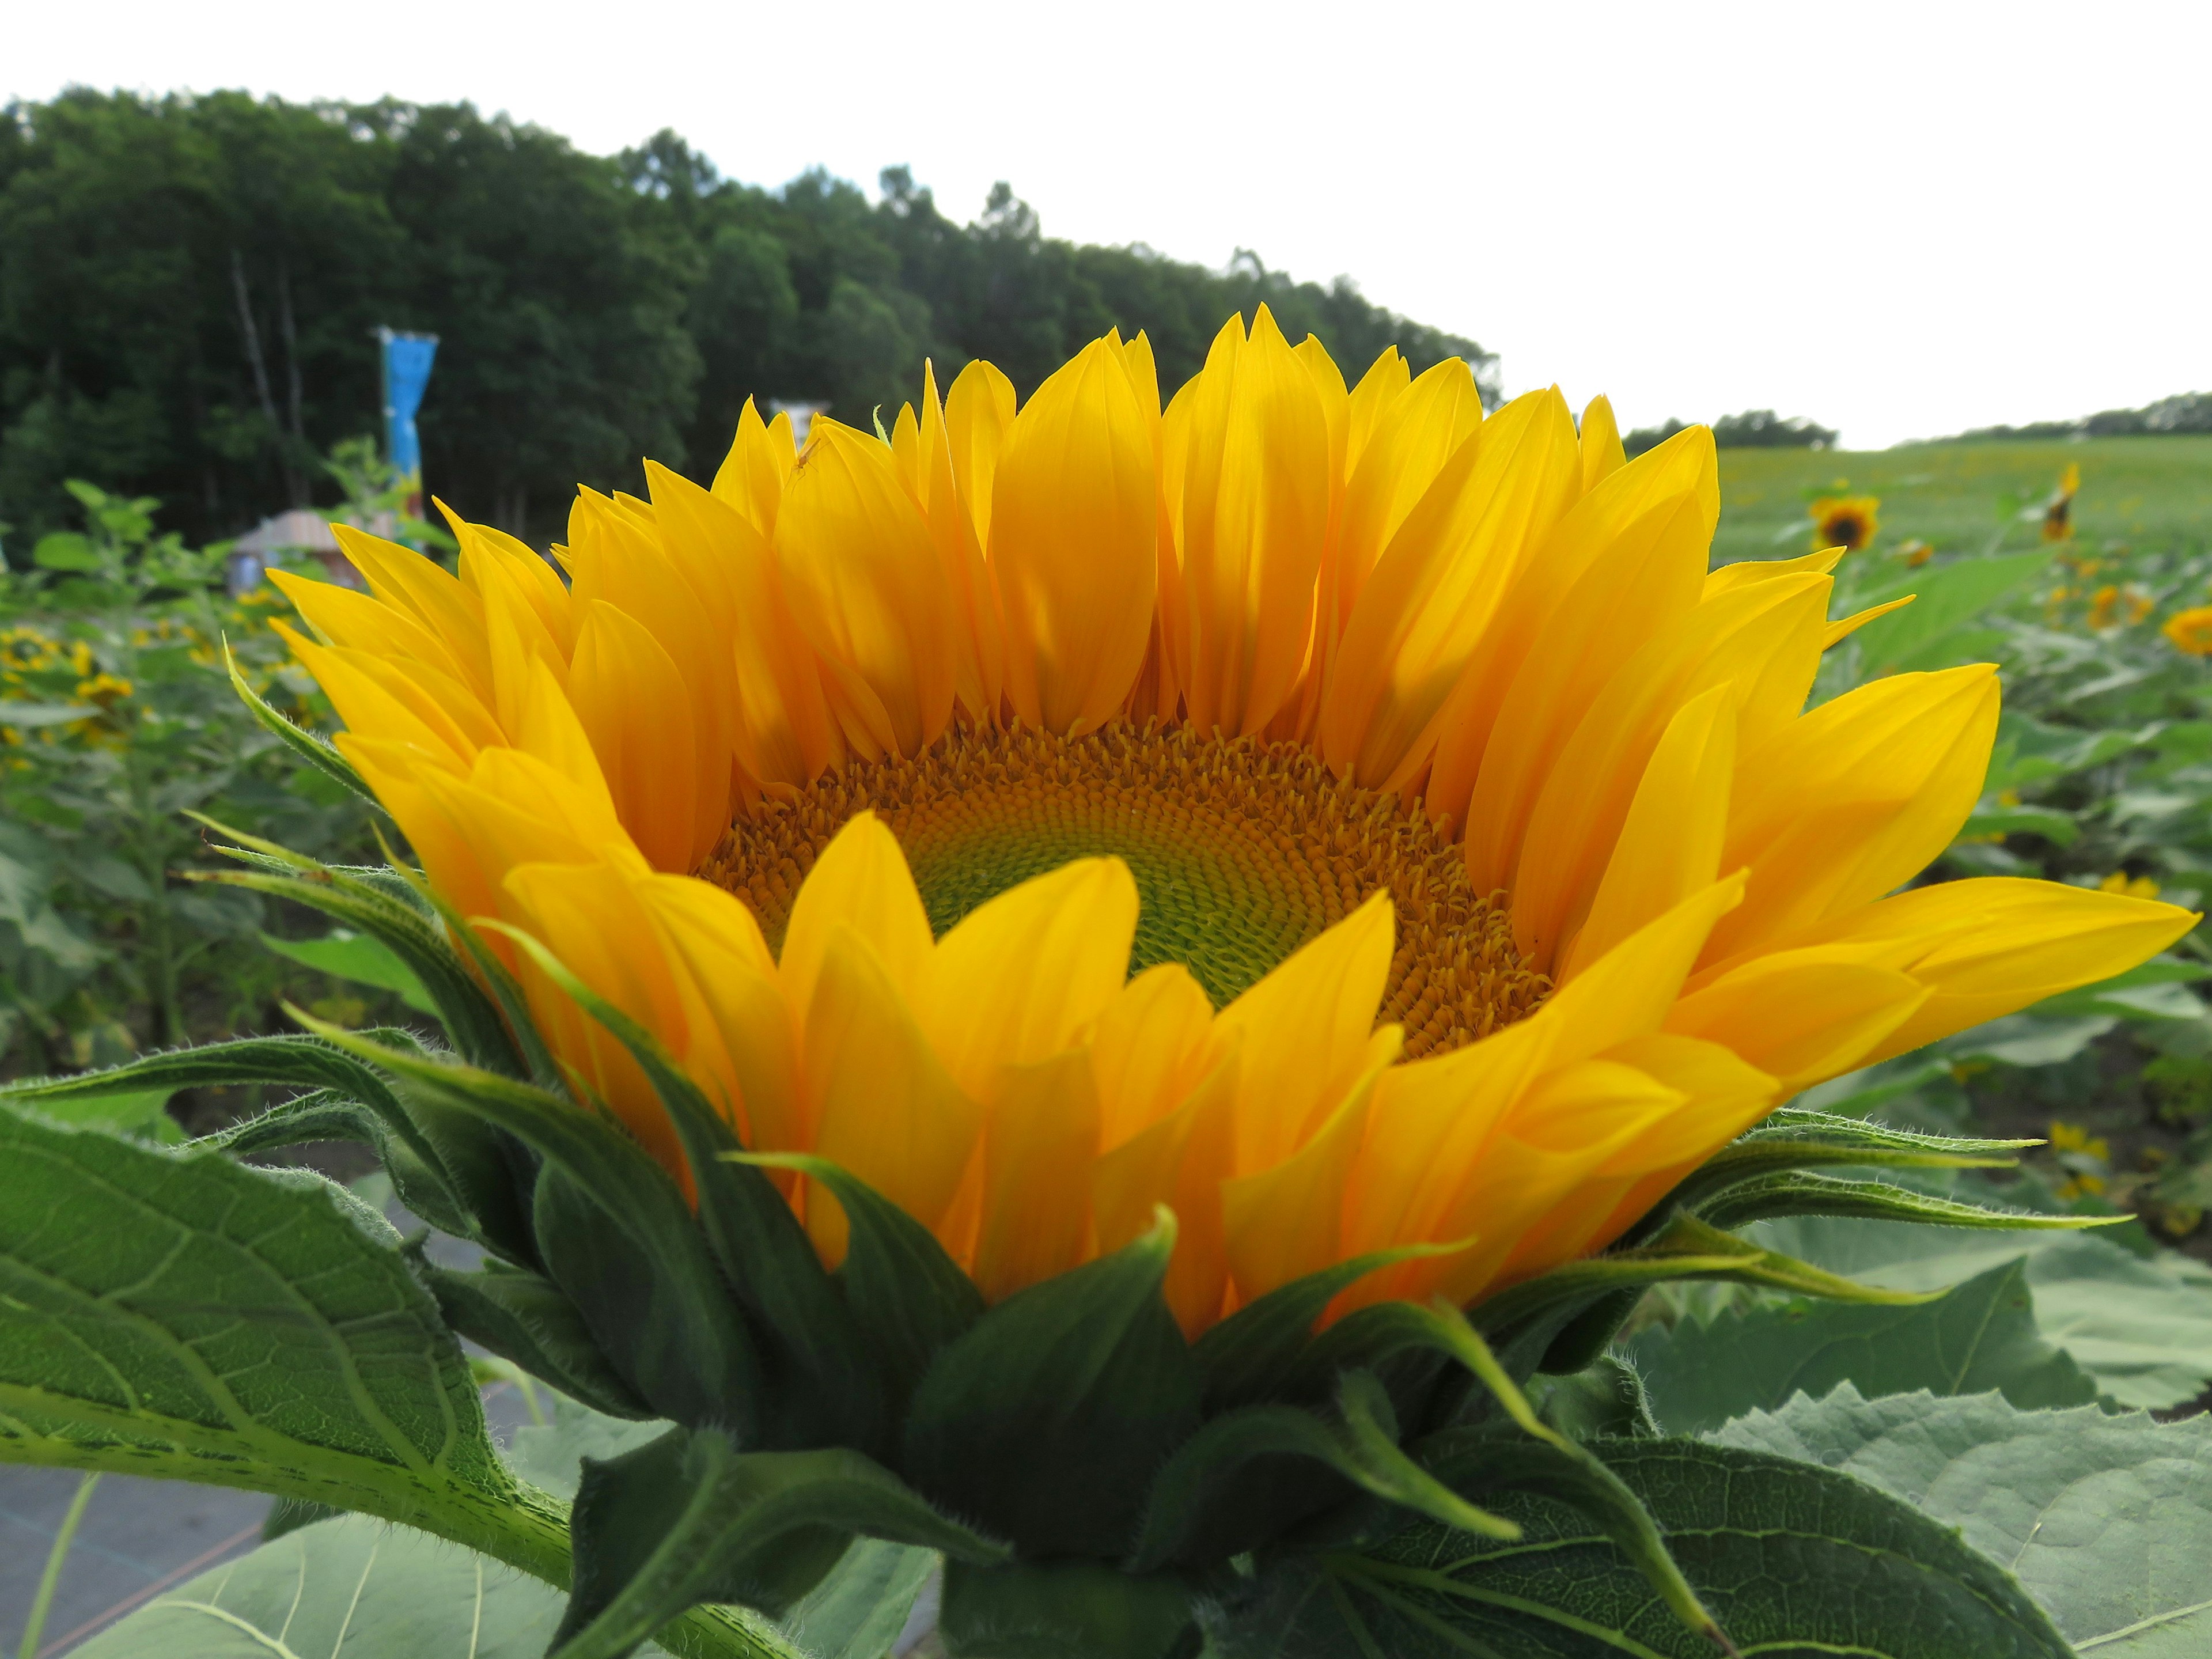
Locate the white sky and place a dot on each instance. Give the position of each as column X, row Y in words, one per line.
column 1898, row 218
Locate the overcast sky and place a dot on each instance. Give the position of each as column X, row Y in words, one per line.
column 1898, row 218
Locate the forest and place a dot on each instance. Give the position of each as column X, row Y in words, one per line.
column 188, row 285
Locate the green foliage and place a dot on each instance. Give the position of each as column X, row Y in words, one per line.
column 1981, row 1335
column 351, row 1585
column 1790, row 1559
column 2106, row 1521
column 115, row 720
column 192, row 280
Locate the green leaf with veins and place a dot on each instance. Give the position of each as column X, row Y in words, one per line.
column 352, row 1586
column 2106, row 1521
column 1980, row 1336
column 2142, row 1328
column 1795, row 1562
column 185, row 1316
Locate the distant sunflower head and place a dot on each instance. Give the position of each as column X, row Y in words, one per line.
column 2058, row 511
column 2190, row 631
column 1344, row 817
column 1846, row 521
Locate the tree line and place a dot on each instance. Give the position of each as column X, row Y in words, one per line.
column 188, row 286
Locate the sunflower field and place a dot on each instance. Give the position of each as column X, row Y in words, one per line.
column 1282, row 1016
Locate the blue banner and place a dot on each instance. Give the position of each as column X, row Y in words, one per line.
column 407, row 358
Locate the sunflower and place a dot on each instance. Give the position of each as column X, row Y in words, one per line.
column 2058, row 511
column 1844, row 521
column 1347, row 818
column 2190, row 631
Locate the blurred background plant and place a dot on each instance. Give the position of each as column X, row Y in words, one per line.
column 116, row 719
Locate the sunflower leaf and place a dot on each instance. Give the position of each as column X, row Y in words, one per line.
column 687, row 1518
column 1749, row 1160
column 1787, row 1558
column 1079, row 1384
column 1981, row 1335
column 2107, row 1520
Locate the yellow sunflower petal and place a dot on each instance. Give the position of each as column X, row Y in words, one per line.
column 1022, row 977
column 1624, row 561
column 1570, row 832
column 752, row 475
column 632, row 702
column 403, row 579
column 882, row 1105
column 1284, row 1223
column 1602, row 453
column 1180, row 1160
column 1304, row 1029
column 1801, row 1015
column 1432, row 593
column 979, row 412
column 1253, row 512
column 860, row 882
column 863, row 581
column 1989, row 946
column 1075, row 530
column 1151, row 1046
column 1039, row 1143
column 1894, row 767
column 1670, row 842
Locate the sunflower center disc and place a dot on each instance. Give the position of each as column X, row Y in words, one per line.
column 1242, row 851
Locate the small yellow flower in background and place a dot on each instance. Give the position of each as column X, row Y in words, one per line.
column 2058, row 512
column 105, row 689
column 2103, row 608
column 2086, row 1159
column 2008, row 799
column 2191, row 630
column 1916, row 552
column 2120, row 882
column 2139, row 603
column 1846, row 521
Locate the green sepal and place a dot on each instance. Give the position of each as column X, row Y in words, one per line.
column 1048, row 1418
column 620, row 1242
column 1604, row 1398
column 1796, row 1194
column 327, row 1115
column 1245, row 1357
column 1686, row 1247
column 1805, row 1123
column 316, row 751
column 531, row 1321
column 1251, row 1474
column 689, row 1518
column 823, row 1389
column 415, row 937
column 662, row 1317
column 1064, row 1610
column 1549, row 1461
column 909, row 1297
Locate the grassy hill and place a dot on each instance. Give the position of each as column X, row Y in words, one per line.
column 2144, row 492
